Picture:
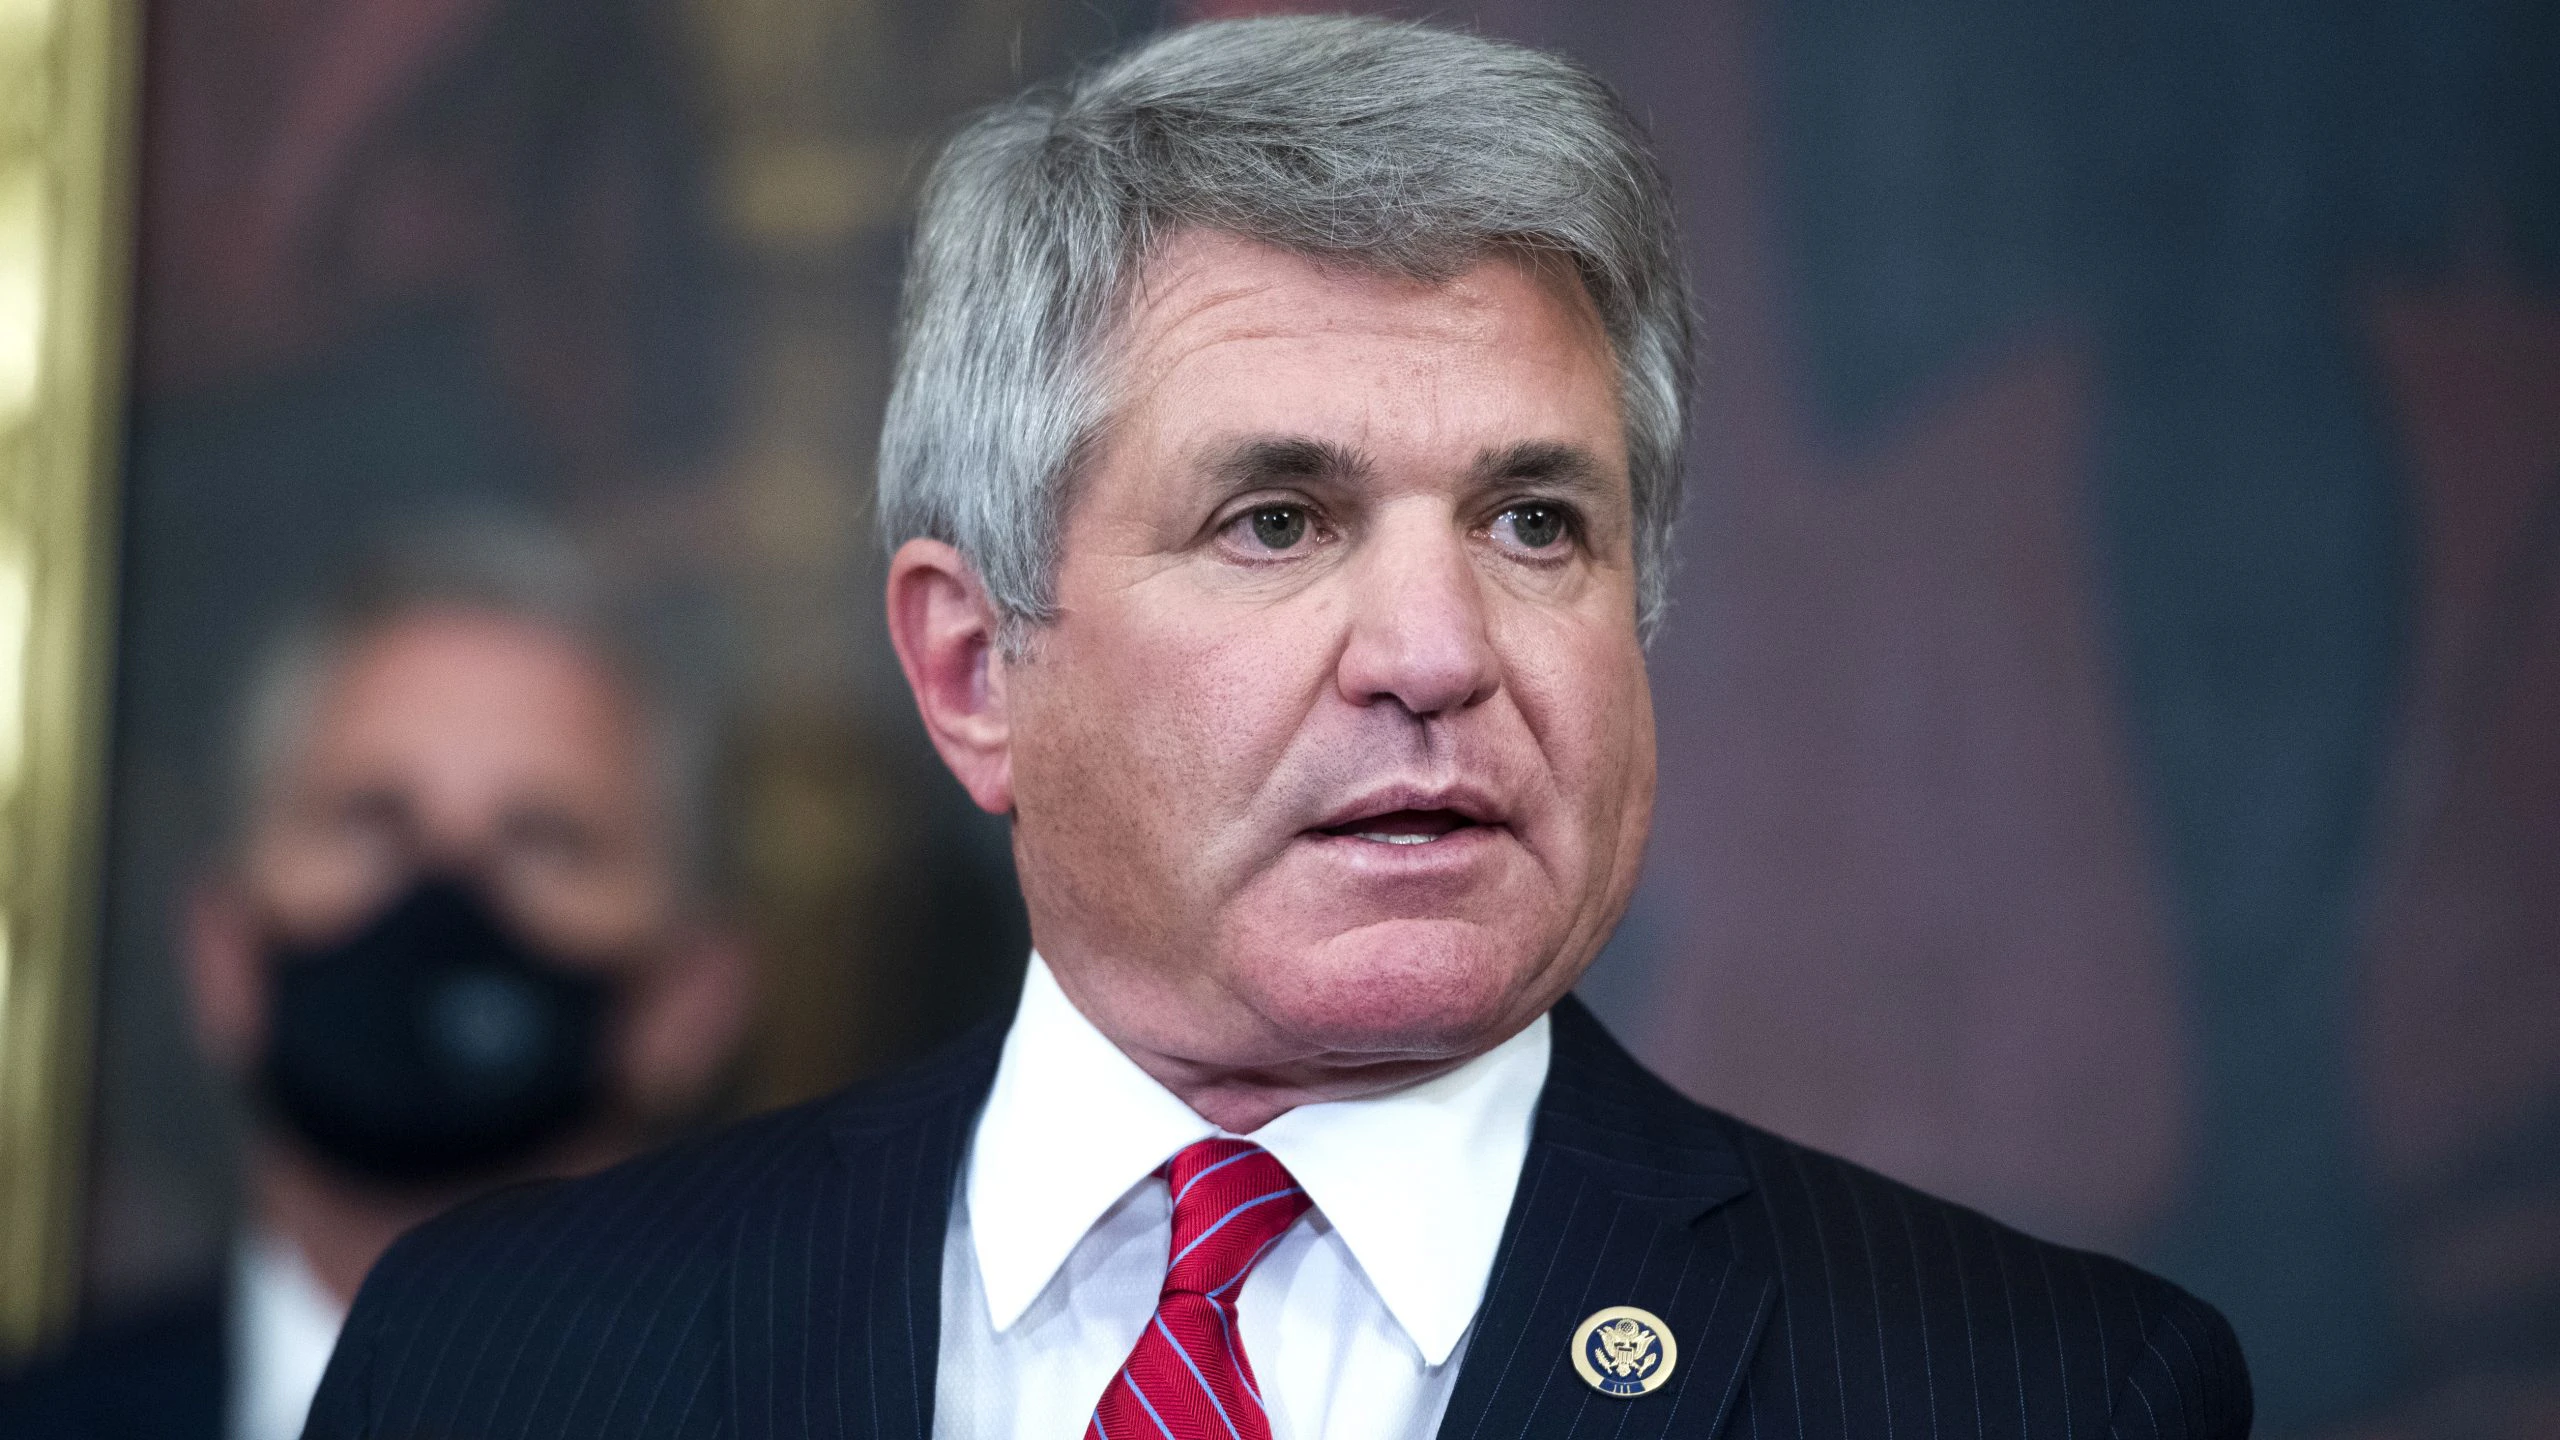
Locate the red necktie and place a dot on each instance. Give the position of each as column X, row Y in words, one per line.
column 1188, row 1378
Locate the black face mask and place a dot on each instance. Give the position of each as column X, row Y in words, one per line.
column 433, row 1045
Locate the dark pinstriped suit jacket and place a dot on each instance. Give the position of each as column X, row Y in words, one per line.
column 783, row 1280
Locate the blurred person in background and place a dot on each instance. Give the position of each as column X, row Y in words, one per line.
column 460, row 933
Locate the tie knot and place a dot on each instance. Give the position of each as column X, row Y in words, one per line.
column 1230, row 1201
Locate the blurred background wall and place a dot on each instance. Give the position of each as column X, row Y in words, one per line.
column 2111, row 721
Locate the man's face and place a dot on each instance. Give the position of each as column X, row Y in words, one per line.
column 472, row 743
column 1340, row 747
column 468, row 743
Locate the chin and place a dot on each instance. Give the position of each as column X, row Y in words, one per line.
column 1398, row 989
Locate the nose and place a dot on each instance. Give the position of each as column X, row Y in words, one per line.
column 1421, row 634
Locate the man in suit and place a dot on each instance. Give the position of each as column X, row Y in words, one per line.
column 1281, row 468
column 455, row 938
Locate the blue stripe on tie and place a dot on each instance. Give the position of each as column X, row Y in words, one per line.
column 1187, row 1364
column 1248, row 1267
column 1222, row 1222
column 1212, row 1170
column 1126, row 1379
column 1228, row 1331
column 1098, row 1427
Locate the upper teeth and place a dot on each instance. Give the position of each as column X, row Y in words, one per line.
column 1386, row 839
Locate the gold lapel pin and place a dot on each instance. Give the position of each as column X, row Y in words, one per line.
column 1624, row 1351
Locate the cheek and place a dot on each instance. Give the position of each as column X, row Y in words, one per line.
column 315, row 880
column 1635, row 802
column 609, row 909
column 1588, row 703
column 1590, row 711
column 1149, row 753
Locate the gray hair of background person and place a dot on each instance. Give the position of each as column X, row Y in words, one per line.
column 1408, row 149
column 491, row 563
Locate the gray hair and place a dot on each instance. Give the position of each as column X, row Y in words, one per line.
column 484, row 562
column 1398, row 146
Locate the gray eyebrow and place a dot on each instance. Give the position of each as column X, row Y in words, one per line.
column 1545, row 462
column 1262, row 461
column 1272, row 460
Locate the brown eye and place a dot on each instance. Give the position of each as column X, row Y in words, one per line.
column 1537, row 526
column 1278, row 527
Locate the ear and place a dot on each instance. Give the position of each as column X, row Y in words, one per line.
column 226, row 974
column 944, row 628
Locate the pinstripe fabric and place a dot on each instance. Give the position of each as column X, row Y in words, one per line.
column 1812, row 1298
column 781, row 1280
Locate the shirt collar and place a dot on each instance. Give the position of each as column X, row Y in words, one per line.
column 1070, row 1124
column 1417, row 1182
column 283, row 1327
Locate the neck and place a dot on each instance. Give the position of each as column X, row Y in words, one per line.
column 339, row 1227
column 1241, row 1100
column 342, row 1225
column 1283, row 1071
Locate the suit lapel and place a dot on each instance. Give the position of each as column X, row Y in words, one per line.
column 836, row 1305
column 1619, row 1170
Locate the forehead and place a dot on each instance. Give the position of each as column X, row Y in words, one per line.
column 1234, row 335
column 472, row 700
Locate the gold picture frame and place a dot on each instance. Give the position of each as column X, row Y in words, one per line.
column 67, row 140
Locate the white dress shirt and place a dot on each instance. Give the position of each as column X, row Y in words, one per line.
column 283, row 1324
column 1355, row 1322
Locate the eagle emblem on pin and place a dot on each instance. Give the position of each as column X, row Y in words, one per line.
column 1624, row 1351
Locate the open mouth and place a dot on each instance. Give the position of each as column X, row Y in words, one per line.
column 1403, row 827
